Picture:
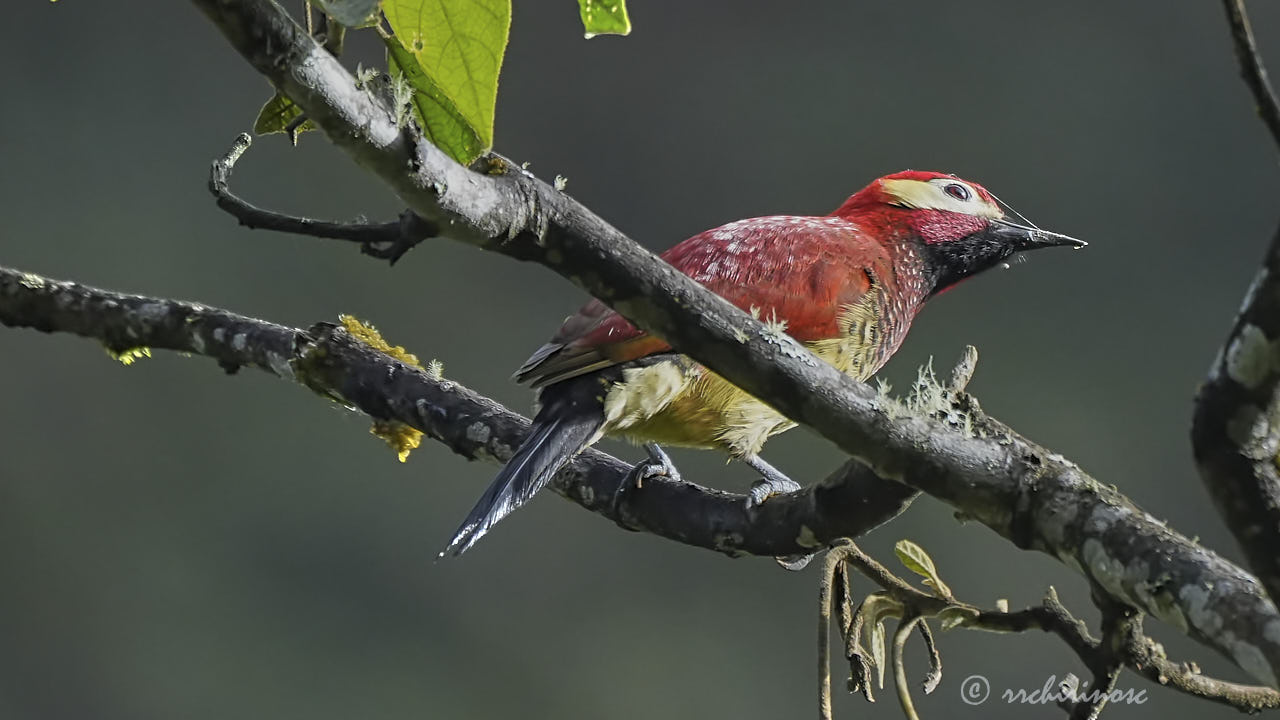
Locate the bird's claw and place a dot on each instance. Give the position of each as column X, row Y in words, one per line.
column 772, row 483
column 767, row 488
column 658, row 464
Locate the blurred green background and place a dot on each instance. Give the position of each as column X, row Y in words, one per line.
column 177, row 543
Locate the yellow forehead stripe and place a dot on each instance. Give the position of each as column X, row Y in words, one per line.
column 930, row 196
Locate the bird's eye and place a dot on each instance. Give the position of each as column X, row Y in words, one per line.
column 957, row 191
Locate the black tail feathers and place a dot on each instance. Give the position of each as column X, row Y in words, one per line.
column 571, row 414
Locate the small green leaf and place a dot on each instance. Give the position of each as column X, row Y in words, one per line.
column 604, row 17
column 919, row 562
column 352, row 13
column 278, row 116
column 457, row 48
column 440, row 120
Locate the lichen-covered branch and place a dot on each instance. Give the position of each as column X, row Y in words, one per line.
column 1035, row 498
column 335, row 364
column 1236, row 427
column 1235, row 431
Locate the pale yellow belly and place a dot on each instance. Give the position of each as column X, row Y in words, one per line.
column 678, row 402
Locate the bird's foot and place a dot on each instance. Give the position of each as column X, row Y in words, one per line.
column 772, row 482
column 762, row 490
column 658, row 464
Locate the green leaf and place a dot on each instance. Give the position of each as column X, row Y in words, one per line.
column 919, row 562
column 604, row 17
column 278, row 115
column 451, row 52
column 441, row 121
column 352, row 13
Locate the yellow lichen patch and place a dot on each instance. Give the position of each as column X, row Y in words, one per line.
column 402, row 438
column 130, row 356
column 370, row 336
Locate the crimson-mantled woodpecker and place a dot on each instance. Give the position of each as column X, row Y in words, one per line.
column 847, row 285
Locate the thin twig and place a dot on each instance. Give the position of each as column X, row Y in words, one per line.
column 829, row 568
column 1145, row 657
column 900, row 683
column 1251, row 67
column 1123, row 644
column 1106, row 661
column 386, row 241
column 935, row 659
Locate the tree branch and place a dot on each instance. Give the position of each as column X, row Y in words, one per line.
column 1236, row 425
column 1252, row 70
column 1035, row 498
column 336, row 365
column 386, row 241
column 1123, row 644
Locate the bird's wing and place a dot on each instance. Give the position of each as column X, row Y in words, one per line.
column 801, row 271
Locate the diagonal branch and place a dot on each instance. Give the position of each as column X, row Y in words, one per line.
column 1033, row 497
column 1236, row 427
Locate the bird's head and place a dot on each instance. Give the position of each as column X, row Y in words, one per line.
column 959, row 224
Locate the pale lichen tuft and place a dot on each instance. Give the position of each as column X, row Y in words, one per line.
column 435, row 370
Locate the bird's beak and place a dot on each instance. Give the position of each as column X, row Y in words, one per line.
column 1026, row 238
